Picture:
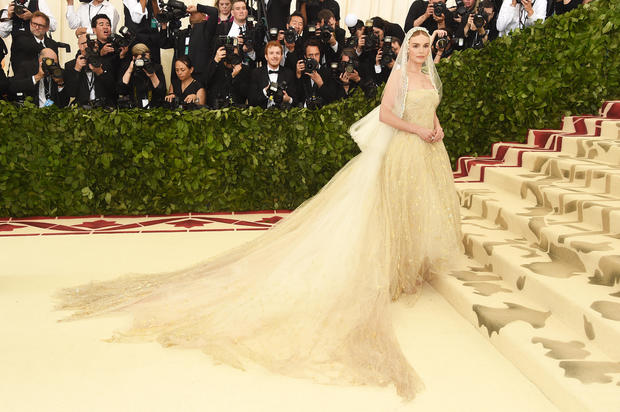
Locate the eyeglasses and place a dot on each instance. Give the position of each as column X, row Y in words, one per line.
column 37, row 25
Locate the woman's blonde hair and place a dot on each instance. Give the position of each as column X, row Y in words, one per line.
column 139, row 49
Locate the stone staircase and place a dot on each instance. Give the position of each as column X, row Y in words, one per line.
column 541, row 230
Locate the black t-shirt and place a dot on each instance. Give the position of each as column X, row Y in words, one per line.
column 312, row 11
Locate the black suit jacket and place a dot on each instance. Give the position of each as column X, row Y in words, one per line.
column 4, row 83
column 219, row 83
column 78, row 87
column 201, row 38
column 278, row 12
column 260, row 80
column 327, row 91
column 25, row 85
column 25, row 52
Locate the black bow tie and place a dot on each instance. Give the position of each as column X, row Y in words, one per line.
column 273, row 72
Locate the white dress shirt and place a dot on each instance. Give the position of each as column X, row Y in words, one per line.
column 511, row 18
column 87, row 11
column 7, row 26
column 135, row 10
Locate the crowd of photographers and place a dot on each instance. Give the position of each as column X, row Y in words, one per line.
column 235, row 53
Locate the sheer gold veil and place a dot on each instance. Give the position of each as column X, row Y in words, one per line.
column 369, row 132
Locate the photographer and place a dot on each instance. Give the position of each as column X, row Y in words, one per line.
column 331, row 36
column 43, row 81
column 140, row 19
column 348, row 76
column 314, row 82
column 443, row 46
column 27, row 45
column 184, row 89
column 111, row 58
column 19, row 13
column 250, row 43
column 293, row 41
column 386, row 57
column 195, row 41
column 273, row 85
column 310, row 9
column 80, row 21
column 431, row 15
column 227, row 79
column 517, row 14
column 143, row 84
column 87, row 80
column 474, row 29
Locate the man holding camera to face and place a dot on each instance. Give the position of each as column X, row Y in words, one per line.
column 87, row 80
column 314, row 81
column 112, row 54
column 517, row 14
column 247, row 37
column 227, row 80
column 386, row 57
column 474, row 29
column 143, row 83
column 43, row 81
column 273, row 85
column 431, row 14
column 330, row 35
column 18, row 16
column 293, row 41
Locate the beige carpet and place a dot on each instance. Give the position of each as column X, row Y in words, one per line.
column 50, row 366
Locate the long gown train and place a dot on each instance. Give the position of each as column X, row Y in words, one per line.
column 311, row 297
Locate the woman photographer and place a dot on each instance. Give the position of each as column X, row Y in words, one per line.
column 184, row 87
column 224, row 7
column 142, row 82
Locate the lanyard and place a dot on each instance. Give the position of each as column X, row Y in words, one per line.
column 97, row 12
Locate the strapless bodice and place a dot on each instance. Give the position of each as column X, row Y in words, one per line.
column 420, row 106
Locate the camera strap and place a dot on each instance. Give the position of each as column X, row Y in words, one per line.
column 47, row 87
column 96, row 12
column 90, row 81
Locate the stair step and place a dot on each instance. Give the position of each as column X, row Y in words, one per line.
column 573, row 279
column 571, row 371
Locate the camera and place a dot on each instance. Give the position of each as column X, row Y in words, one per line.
column 326, row 33
column 442, row 43
column 230, row 44
column 440, row 9
column 51, row 68
column 311, row 65
column 341, row 67
column 19, row 7
column 480, row 18
column 273, row 33
column 314, row 102
column 91, row 54
column 461, row 10
column 275, row 91
column 251, row 34
column 174, row 10
column 351, row 42
column 388, row 55
column 124, row 38
column 372, row 40
column 144, row 63
column 290, row 35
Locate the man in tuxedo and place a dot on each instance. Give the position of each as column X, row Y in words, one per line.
column 26, row 46
column 45, row 88
column 238, row 28
column 90, row 84
column 196, row 40
column 316, row 88
column 272, row 72
column 140, row 19
column 278, row 12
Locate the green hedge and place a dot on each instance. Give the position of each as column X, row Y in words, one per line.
column 75, row 162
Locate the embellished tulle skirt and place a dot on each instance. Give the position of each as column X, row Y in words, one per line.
column 311, row 296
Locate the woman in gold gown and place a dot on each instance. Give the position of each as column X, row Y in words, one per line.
column 311, row 297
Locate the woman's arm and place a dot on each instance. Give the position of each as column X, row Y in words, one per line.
column 386, row 113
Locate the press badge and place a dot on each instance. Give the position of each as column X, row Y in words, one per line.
column 48, row 102
column 145, row 103
column 154, row 23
